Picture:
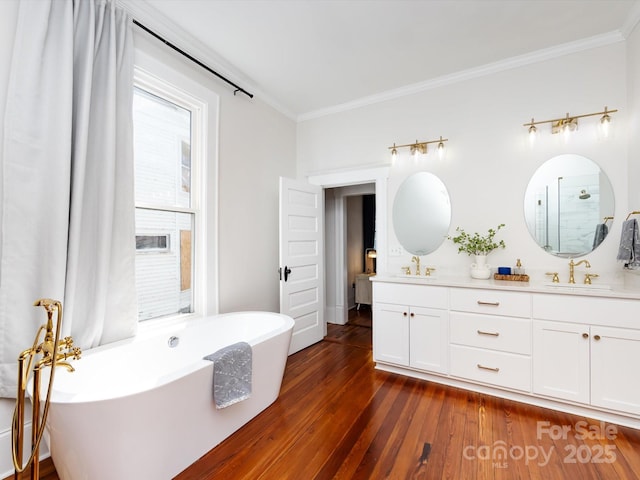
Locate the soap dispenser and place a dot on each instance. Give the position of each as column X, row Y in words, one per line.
column 518, row 270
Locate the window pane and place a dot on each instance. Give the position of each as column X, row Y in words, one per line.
column 162, row 150
column 164, row 275
column 152, row 242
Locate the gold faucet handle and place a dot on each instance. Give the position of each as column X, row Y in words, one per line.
column 428, row 270
column 555, row 278
column 588, row 277
column 407, row 270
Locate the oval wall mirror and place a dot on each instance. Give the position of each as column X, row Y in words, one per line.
column 421, row 213
column 569, row 206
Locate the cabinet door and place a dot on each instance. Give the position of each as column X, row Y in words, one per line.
column 561, row 360
column 428, row 343
column 391, row 333
column 615, row 354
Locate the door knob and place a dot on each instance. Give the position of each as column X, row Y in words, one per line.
column 287, row 272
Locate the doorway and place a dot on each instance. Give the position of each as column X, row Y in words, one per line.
column 347, row 243
column 369, row 181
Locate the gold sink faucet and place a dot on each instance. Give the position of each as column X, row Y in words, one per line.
column 572, row 265
column 416, row 259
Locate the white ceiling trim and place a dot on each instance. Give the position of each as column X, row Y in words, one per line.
column 488, row 69
column 632, row 21
column 162, row 25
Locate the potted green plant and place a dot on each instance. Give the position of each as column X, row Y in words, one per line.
column 479, row 246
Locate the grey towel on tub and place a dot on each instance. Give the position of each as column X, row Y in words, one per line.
column 231, row 374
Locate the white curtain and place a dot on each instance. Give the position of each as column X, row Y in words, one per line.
column 67, row 177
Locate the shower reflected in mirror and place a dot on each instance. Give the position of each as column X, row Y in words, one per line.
column 569, row 206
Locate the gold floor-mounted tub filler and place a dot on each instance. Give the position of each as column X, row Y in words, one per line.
column 50, row 352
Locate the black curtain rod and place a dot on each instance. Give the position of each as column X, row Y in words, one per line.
column 195, row 60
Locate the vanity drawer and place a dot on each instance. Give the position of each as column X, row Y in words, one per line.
column 496, row 368
column 491, row 302
column 506, row 334
column 614, row 312
column 418, row 295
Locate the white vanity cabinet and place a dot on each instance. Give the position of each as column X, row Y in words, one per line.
column 558, row 349
column 410, row 326
column 490, row 336
column 586, row 350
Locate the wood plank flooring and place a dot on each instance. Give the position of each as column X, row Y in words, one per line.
column 339, row 418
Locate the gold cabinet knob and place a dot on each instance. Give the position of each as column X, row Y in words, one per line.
column 596, row 337
column 585, row 335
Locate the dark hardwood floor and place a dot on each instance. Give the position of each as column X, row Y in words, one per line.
column 339, row 418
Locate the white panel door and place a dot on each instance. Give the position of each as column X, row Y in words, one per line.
column 301, row 260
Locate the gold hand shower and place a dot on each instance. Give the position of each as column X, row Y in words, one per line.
column 49, row 353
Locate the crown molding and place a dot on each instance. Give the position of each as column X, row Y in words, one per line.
column 488, row 69
column 163, row 26
column 631, row 22
column 147, row 15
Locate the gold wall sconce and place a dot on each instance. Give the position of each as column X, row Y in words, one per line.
column 569, row 123
column 419, row 148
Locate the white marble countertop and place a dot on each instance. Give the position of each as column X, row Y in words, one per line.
column 616, row 291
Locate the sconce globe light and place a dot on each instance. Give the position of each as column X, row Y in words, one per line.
column 532, row 132
column 605, row 123
column 394, row 153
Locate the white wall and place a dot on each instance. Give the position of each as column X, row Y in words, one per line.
column 489, row 161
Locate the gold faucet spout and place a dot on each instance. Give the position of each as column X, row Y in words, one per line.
column 416, row 259
column 572, row 266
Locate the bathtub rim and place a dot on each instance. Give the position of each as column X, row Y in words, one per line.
column 64, row 398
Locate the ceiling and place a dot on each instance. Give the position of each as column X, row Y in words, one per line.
column 309, row 56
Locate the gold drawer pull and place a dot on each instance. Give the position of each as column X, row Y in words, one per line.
column 493, row 304
column 496, row 369
column 493, row 334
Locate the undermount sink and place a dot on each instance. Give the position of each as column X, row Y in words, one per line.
column 416, row 277
column 580, row 286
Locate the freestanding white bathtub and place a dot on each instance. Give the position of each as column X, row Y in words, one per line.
column 142, row 409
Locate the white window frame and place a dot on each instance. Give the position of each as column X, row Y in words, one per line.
column 199, row 116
